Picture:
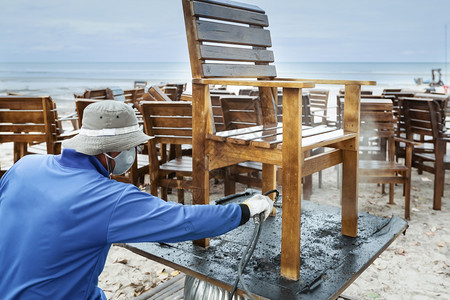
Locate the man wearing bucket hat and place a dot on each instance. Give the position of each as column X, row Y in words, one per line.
column 59, row 214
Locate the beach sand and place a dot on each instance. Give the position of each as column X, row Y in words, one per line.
column 415, row 266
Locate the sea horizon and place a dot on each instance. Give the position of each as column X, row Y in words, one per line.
column 62, row 79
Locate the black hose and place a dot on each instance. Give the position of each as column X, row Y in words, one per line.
column 259, row 219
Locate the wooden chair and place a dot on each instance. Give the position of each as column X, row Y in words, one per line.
column 213, row 62
column 319, row 105
column 377, row 120
column 424, row 117
column 169, row 122
column 140, row 167
column 27, row 121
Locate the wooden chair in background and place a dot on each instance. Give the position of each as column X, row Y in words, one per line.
column 423, row 117
column 319, row 106
column 271, row 144
column 377, row 121
column 27, row 121
column 169, row 122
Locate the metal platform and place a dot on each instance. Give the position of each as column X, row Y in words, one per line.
column 330, row 262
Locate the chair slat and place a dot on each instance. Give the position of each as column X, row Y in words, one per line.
column 22, row 116
column 233, row 34
column 238, row 70
column 22, row 138
column 164, row 131
column 235, row 54
column 173, row 122
column 19, row 102
column 234, row 4
column 219, row 12
column 22, row 127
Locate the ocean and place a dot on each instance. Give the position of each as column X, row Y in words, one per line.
column 62, row 80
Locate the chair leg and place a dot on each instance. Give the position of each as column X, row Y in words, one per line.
column 229, row 182
column 349, row 193
column 307, row 187
column 391, row 193
column 320, row 179
column 407, row 189
column 438, row 187
column 164, row 193
column 180, row 192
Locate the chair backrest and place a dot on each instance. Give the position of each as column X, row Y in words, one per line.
column 214, row 29
column 29, row 120
column 377, row 118
column 169, row 122
column 94, row 94
column 158, row 94
column 240, row 111
column 377, row 129
column 422, row 117
column 319, row 99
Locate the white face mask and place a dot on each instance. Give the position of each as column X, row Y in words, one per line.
column 123, row 161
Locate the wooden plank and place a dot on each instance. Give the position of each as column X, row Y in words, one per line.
column 224, row 154
column 326, row 139
column 236, row 54
column 230, row 14
column 256, row 83
column 234, row 4
column 200, row 160
column 22, row 116
column 238, row 70
column 173, row 122
column 23, row 138
column 292, row 174
column 172, row 132
column 318, row 162
column 172, row 108
column 21, row 127
column 349, row 193
column 232, row 34
column 222, row 136
column 19, row 102
column 330, row 81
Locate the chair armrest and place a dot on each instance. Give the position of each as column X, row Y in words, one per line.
column 332, row 81
column 403, row 140
column 257, row 83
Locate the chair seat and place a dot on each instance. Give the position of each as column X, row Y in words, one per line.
column 371, row 166
column 182, row 164
column 430, row 157
column 272, row 137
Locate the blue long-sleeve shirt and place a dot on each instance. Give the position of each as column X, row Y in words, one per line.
column 60, row 214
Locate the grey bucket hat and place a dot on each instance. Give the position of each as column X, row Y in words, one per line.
column 108, row 126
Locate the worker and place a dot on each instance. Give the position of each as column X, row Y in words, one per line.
column 59, row 214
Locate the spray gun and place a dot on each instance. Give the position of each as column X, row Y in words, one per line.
column 259, row 220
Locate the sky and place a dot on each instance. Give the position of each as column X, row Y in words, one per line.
column 152, row 31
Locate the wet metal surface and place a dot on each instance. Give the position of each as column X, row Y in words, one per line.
column 329, row 260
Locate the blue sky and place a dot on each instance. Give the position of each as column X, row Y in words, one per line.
column 149, row 30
